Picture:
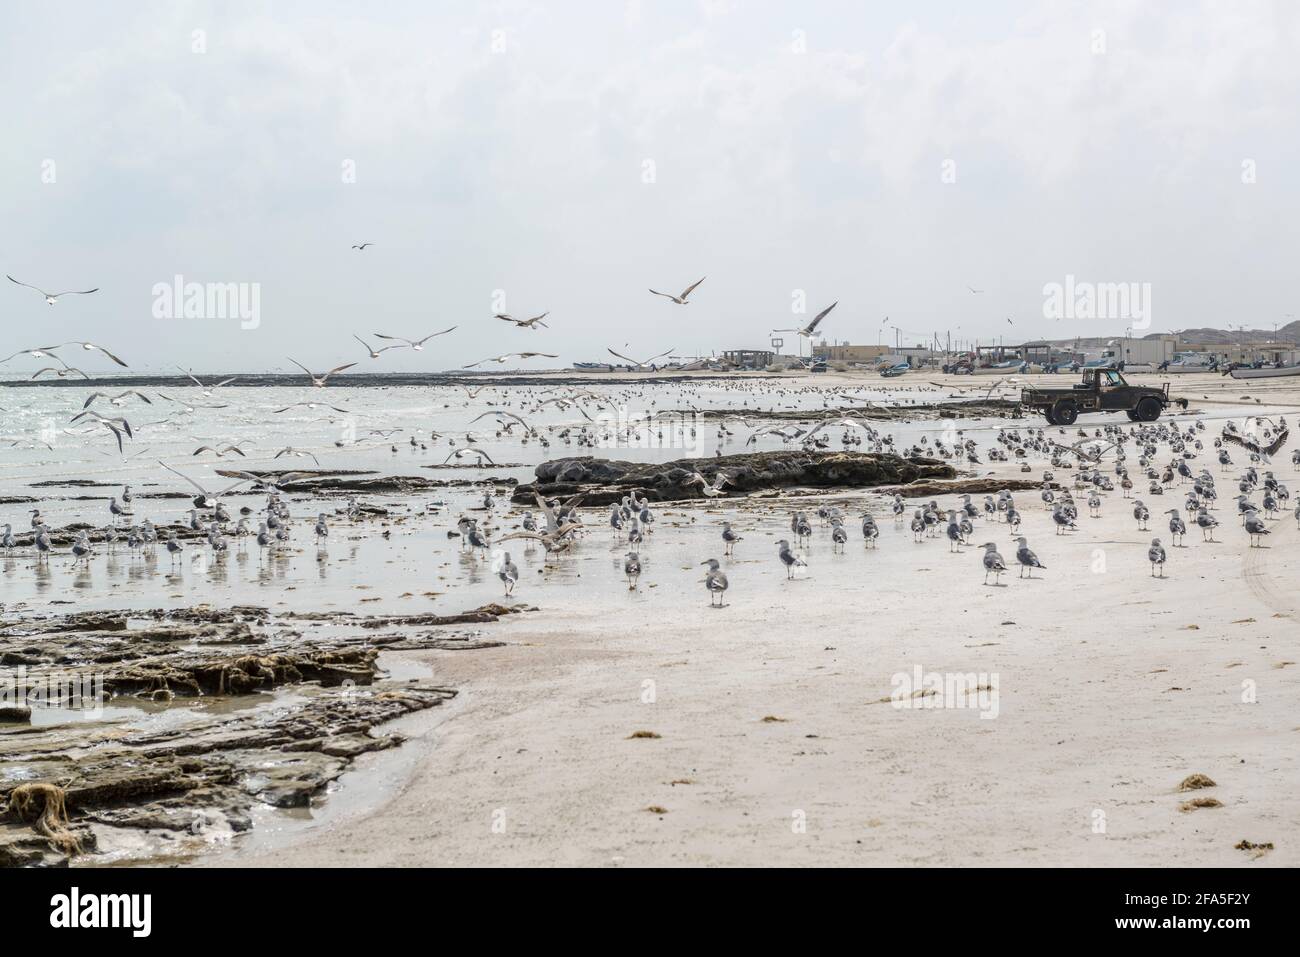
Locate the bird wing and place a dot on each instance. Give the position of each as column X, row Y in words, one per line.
column 625, row 358
column 310, row 374
column 106, row 352
column 339, row 369
column 434, row 335
column 820, row 316
column 186, row 477
column 655, row 291
column 28, row 285
column 380, row 335
column 691, row 288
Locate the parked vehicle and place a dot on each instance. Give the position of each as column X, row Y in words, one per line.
column 1102, row 390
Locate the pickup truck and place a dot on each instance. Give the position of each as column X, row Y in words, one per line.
column 1102, row 390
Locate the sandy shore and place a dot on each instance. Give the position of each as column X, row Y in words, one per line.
column 774, row 746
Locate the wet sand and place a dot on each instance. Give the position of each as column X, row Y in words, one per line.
column 1113, row 687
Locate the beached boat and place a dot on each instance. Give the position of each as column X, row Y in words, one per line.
column 1002, row 368
column 1266, row 373
column 890, row 371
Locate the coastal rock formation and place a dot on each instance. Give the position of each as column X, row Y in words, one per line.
column 603, row 481
column 260, row 716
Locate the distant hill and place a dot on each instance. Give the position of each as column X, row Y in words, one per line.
column 1288, row 333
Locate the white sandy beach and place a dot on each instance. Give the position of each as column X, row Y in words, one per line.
column 1112, row 687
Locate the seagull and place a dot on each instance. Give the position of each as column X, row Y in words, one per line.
column 461, row 453
column 88, row 346
column 115, row 425
column 993, row 562
column 512, row 355
column 730, row 537
column 638, row 363
column 416, row 344
column 681, row 300
column 1156, row 556
column 319, row 381
column 808, row 330
column 632, row 570
column 789, row 559
column 290, row 450
column 532, row 323
column 206, row 499
column 311, row 405
column 362, row 245
column 509, row 574
column 715, row 581
column 207, row 389
column 1027, row 558
column 974, row 290
column 118, row 400
column 53, row 297
column 374, row 353
column 221, row 451
column 61, row 373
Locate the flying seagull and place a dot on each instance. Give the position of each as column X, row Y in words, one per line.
column 319, row 380
column 207, row 389
column 636, row 362
column 416, row 344
column 362, row 245
column 512, row 355
column 681, row 300
column 809, row 329
column 117, row 400
column 53, row 297
column 61, row 373
column 532, row 323
column 374, row 353
column 88, row 346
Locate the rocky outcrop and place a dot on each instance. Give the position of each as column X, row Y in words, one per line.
column 603, row 481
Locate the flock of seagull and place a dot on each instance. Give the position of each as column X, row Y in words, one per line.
column 1164, row 454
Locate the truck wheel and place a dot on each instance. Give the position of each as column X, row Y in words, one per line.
column 1047, row 414
column 1065, row 412
column 1148, row 410
column 1132, row 416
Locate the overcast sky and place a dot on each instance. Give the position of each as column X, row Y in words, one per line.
column 572, row 154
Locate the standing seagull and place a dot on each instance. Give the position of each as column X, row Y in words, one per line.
column 1177, row 529
column 789, row 559
column 52, row 297
column 1027, row 558
column 1156, row 556
column 715, row 581
column 632, row 569
column 508, row 573
column 680, row 300
column 730, row 538
column 993, row 563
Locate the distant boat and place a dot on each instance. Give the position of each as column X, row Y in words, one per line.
column 890, row 371
column 1266, row 373
column 1002, row 368
column 593, row 366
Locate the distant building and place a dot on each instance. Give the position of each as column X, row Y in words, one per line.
column 748, row 358
column 846, row 353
